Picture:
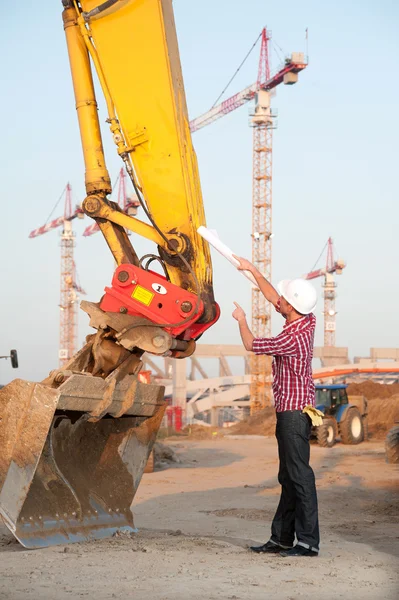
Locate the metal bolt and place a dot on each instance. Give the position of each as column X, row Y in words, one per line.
column 40, row 518
column 117, row 510
column 30, row 518
column 123, row 310
column 173, row 243
column 186, row 306
column 134, row 281
column 158, row 341
column 123, row 276
column 57, row 515
column 74, row 514
column 59, row 378
column 91, row 205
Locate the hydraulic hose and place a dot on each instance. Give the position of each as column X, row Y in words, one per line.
column 99, row 9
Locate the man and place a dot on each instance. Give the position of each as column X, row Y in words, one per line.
column 293, row 391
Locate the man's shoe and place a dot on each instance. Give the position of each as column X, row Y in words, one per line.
column 268, row 548
column 299, row 551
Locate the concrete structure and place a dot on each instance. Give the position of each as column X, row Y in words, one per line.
column 188, row 379
column 331, row 355
column 384, row 354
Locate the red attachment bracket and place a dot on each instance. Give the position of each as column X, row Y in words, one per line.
column 138, row 292
column 194, row 331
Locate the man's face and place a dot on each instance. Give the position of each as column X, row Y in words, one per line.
column 285, row 307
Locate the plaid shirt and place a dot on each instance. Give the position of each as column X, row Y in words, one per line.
column 292, row 351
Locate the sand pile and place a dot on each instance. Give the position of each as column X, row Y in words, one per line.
column 383, row 412
column 383, row 405
column 371, row 390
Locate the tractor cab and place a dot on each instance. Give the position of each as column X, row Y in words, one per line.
column 330, row 397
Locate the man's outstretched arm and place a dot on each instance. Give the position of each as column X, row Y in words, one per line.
column 282, row 345
column 265, row 286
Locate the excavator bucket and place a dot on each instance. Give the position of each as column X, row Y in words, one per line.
column 66, row 476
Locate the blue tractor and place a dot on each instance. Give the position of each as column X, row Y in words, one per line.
column 344, row 417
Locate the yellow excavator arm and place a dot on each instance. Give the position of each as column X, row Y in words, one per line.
column 73, row 448
column 133, row 47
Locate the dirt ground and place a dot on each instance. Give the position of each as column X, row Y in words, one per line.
column 196, row 518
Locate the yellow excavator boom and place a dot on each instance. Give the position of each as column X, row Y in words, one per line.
column 133, row 47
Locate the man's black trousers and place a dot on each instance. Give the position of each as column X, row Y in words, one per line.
column 297, row 510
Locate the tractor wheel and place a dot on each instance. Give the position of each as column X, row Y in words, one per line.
column 149, row 468
column 392, row 446
column 326, row 433
column 351, row 428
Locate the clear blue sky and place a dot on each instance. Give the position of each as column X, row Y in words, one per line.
column 335, row 163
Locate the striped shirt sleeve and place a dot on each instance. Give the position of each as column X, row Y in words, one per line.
column 281, row 345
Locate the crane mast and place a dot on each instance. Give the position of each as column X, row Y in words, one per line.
column 69, row 287
column 68, row 296
column 262, row 123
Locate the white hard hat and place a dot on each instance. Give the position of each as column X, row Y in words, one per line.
column 299, row 293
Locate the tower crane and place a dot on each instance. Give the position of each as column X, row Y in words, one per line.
column 288, row 74
column 262, row 121
column 333, row 267
column 70, row 287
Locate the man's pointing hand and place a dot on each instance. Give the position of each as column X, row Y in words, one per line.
column 238, row 313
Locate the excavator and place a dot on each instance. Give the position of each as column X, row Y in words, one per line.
column 73, row 447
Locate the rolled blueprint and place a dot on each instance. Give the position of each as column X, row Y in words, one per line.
column 213, row 239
